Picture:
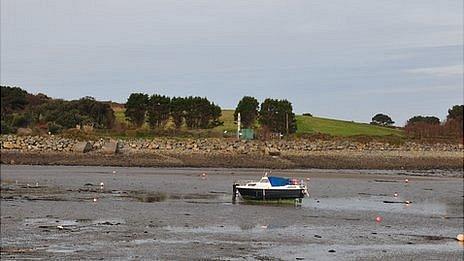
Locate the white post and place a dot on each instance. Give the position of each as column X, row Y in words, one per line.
column 238, row 126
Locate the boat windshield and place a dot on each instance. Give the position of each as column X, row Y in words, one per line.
column 264, row 180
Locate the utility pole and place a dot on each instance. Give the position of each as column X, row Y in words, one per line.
column 238, row 126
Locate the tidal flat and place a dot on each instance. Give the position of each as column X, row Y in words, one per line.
column 107, row 213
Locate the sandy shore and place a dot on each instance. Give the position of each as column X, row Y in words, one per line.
column 424, row 160
column 49, row 213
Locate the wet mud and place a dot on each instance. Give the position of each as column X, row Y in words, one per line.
column 106, row 213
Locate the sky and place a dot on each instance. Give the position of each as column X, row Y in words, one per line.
column 339, row 59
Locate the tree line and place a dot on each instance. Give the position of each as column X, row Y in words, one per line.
column 20, row 109
column 273, row 115
column 199, row 113
column 156, row 110
column 428, row 126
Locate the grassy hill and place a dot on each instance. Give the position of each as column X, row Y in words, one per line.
column 333, row 127
column 309, row 125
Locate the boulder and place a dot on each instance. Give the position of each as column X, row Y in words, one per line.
column 10, row 146
column 110, row 147
column 272, row 151
column 82, row 147
column 24, row 131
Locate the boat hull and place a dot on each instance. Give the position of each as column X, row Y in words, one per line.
column 271, row 194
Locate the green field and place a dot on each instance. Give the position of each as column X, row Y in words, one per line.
column 333, row 127
column 312, row 125
column 307, row 125
column 119, row 114
column 228, row 119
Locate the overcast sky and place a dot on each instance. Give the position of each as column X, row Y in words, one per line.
column 339, row 59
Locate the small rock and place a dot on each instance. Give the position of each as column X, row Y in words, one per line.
column 24, row 131
column 82, row 147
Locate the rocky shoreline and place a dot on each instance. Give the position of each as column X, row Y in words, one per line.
column 217, row 152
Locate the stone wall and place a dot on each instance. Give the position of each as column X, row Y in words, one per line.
column 221, row 145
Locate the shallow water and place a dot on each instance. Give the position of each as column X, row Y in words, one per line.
column 376, row 204
column 190, row 216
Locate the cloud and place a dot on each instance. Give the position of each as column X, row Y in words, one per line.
column 442, row 71
column 414, row 89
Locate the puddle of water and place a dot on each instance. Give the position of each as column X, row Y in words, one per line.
column 49, row 222
column 111, row 221
column 254, row 228
column 358, row 204
column 185, row 241
column 67, row 224
column 143, row 241
column 63, row 249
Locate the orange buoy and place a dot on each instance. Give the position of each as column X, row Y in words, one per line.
column 460, row 237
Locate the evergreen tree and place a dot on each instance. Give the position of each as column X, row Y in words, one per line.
column 177, row 111
column 248, row 109
column 136, row 107
column 278, row 116
column 158, row 110
column 382, row 119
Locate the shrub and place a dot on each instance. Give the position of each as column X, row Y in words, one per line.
column 54, row 128
column 20, row 121
column 6, row 128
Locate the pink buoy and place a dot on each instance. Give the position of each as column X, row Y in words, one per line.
column 378, row 219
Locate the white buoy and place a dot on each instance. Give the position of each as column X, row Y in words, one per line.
column 114, row 171
column 395, row 195
column 94, row 199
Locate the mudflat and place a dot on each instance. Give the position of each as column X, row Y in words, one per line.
column 410, row 160
column 102, row 213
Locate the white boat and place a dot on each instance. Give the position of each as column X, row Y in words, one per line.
column 272, row 188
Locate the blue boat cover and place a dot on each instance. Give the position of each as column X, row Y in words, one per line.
column 278, row 181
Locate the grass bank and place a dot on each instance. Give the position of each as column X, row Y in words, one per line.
column 306, row 125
